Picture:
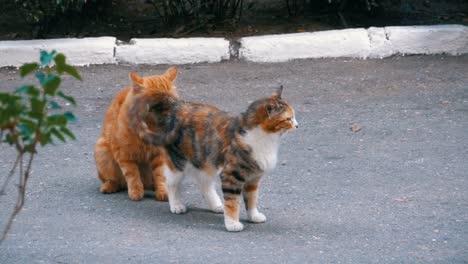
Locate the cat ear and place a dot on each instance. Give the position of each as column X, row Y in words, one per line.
column 171, row 73
column 278, row 92
column 136, row 80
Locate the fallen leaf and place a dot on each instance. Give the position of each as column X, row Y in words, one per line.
column 402, row 199
column 355, row 127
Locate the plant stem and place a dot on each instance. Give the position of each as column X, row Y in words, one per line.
column 21, row 195
column 12, row 171
column 24, row 176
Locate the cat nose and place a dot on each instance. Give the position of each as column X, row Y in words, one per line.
column 295, row 123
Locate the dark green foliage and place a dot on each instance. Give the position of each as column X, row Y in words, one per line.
column 298, row 7
column 44, row 15
column 31, row 114
column 198, row 13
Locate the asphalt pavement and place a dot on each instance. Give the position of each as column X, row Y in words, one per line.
column 376, row 173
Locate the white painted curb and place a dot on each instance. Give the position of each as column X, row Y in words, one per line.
column 450, row 39
column 357, row 43
column 79, row 52
column 333, row 43
column 173, row 51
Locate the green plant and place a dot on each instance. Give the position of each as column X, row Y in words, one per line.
column 32, row 116
column 300, row 7
column 44, row 15
column 195, row 14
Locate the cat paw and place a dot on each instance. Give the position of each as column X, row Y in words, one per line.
column 135, row 195
column 218, row 209
column 109, row 187
column 161, row 196
column 178, row 209
column 256, row 217
column 233, row 226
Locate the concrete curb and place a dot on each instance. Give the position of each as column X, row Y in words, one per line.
column 334, row 43
column 357, row 43
column 354, row 43
column 79, row 52
column 173, row 51
column 450, row 39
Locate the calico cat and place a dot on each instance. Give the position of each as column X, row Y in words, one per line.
column 123, row 160
column 205, row 141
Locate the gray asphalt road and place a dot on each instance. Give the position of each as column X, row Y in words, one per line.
column 393, row 192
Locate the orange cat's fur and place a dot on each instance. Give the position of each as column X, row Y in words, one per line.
column 123, row 160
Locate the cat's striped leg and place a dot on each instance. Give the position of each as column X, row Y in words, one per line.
column 131, row 173
column 231, row 212
column 173, row 179
column 250, row 193
column 232, row 189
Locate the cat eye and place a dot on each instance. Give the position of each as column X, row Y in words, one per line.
column 159, row 107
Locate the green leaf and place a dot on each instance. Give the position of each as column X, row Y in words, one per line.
column 24, row 130
column 37, row 106
column 30, row 148
column 44, row 79
column 35, row 115
column 4, row 96
column 54, row 105
column 57, row 134
column 27, row 68
column 46, row 58
column 62, row 66
column 57, row 120
column 72, row 71
column 67, row 98
column 69, row 116
column 30, row 124
column 60, row 62
column 9, row 139
column 67, row 132
column 41, row 77
column 52, row 84
column 23, row 89
column 28, row 89
column 44, row 138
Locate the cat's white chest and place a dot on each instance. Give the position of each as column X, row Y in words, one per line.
column 264, row 147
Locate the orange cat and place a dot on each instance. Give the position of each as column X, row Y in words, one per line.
column 123, row 160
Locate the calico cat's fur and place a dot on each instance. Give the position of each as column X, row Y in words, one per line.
column 205, row 141
column 123, row 160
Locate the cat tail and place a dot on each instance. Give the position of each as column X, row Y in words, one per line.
column 137, row 112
